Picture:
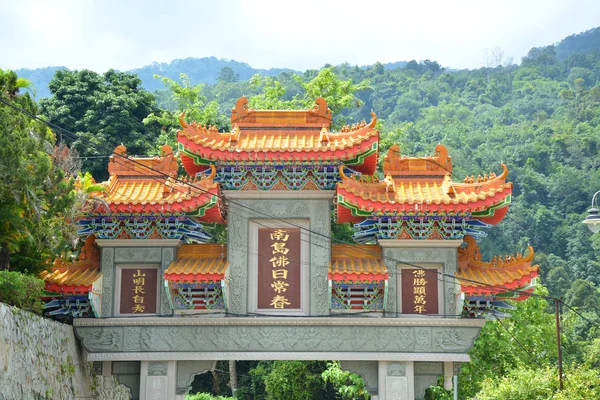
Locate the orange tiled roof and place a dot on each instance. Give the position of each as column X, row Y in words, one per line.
column 420, row 191
column 280, row 136
column 198, row 262
column 272, row 139
column 427, row 181
column 76, row 277
column 134, row 188
column 497, row 276
column 71, row 278
column 357, row 263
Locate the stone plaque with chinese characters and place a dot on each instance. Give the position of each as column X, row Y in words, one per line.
column 419, row 291
column 138, row 290
column 157, row 388
column 279, row 283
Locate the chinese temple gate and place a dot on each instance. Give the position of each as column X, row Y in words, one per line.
column 155, row 304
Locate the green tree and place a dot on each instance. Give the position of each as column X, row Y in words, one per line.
column 349, row 385
column 496, row 352
column 36, row 197
column 339, row 94
column 103, row 111
column 297, row 380
column 228, row 75
column 20, row 290
column 189, row 99
column 524, row 383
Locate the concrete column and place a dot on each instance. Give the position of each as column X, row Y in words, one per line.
column 448, row 373
column 106, row 368
column 381, row 375
column 410, row 375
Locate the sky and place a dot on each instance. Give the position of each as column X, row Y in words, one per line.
column 127, row 34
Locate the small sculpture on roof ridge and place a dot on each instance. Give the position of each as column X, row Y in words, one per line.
column 324, row 135
column 390, row 185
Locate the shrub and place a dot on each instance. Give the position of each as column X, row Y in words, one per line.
column 23, row 291
column 206, row 396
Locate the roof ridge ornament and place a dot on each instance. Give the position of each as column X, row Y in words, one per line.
column 390, row 185
column 182, row 121
column 324, row 135
column 241, row 108
column 472, row 253
column 320, row 108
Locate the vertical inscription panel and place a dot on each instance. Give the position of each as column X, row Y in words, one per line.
column 396, row 387
column 419, row 291
column 138, row 290
column 156, row 388
column 279, row 280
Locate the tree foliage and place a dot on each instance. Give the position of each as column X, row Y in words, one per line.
column 524, row 383
column 296, row 380
column 21, row 290
column 188, row 99
column 348, row 384
column 35, row 196
column 103, row 111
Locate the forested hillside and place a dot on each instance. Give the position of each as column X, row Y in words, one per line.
column 200, row 70
column 541, row 118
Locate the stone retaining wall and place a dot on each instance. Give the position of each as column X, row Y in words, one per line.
column 40, row 359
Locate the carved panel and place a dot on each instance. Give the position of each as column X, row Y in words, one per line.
column 428, row 368
column 125, row 367
column 423, row 339
column 445, row 256
column 451, row 286
column 451, row 340
column 320, row 256
column 237, row 252
column 318, row 211
column 187, row 370
column 104, row 339
column 132, row 338
column 108, row 278
column 141, row 254
column 157, row 369
column 396, row 369
column 391, row 264
column 168, row 255
column 276, row 338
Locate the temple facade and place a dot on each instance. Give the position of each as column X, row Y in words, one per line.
column 155, row 301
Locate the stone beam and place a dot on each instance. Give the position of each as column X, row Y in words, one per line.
column 376, row 336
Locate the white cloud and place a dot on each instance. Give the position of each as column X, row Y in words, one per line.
column 270, row 33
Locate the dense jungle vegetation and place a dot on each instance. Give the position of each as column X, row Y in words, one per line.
column 541, row 118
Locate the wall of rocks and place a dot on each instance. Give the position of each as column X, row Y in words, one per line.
column 41, row 359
